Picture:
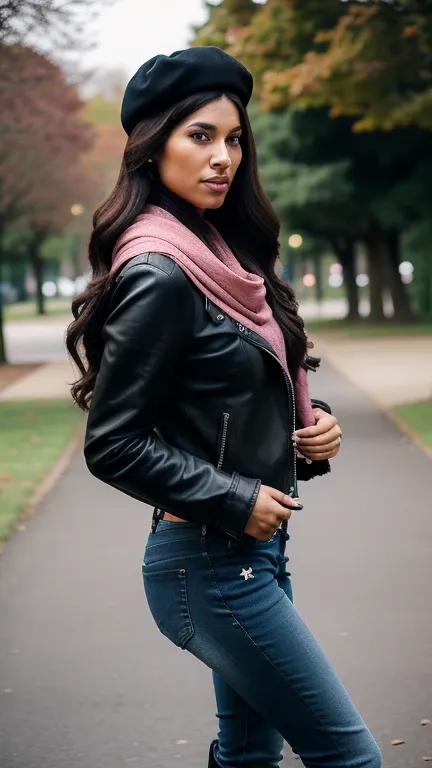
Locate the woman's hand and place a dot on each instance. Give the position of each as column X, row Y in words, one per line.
column 271, row 508
column 321, row 441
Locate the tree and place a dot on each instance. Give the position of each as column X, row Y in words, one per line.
column 27, row 115
column 109, row 142
column 386, row 170
column 40, row 114
column 43, row 137
column 312, row 191
column 104, row 159
column 272, row 36
column 65, row 246
column 374, row 63
column 61, row 20
column 49, row 212
column 225, row 21
column 418, row 251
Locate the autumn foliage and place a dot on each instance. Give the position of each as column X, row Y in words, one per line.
column 369, row 60
column 342, row 114
column 45, row 138
column 42, row 140
column 373, row 64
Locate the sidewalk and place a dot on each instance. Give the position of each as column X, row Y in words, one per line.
column 88, row 680
column 49, row 381
column 391, row 371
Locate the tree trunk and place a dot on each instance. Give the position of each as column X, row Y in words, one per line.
column 402, row 308
column 350, row 277
column 375, row 248
column 345, row 251
column 18, row 274
column 2, row 340
column 38, row 268
column 319, row 290
column 37, row 265
column 424, row 286
column 376, row 286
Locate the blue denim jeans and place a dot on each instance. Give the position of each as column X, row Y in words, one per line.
column 230, row 605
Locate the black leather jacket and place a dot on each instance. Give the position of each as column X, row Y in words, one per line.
column 191, row 411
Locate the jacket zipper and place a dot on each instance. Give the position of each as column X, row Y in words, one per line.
column 225, row 421
column 294, row 487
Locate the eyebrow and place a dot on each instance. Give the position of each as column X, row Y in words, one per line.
column 210, row 127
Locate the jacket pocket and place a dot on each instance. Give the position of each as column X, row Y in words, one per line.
column 166, row 593
column 223, row 437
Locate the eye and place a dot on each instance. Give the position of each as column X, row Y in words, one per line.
column 235, row 140
column 198, row 135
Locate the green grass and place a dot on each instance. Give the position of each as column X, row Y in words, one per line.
column 419, row 417
column 24, row 310
column 32, row 437
column 365, row 330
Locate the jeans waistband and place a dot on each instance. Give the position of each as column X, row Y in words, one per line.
column 202, row 530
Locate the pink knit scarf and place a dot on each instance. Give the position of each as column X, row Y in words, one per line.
column 221, row 278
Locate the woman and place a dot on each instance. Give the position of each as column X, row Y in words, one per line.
column 196, row 365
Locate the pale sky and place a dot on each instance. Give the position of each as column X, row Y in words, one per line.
column 129, row 32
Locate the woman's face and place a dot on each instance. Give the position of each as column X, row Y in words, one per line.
column 202, row 154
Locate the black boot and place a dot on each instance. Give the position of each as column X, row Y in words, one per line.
column 212, row 760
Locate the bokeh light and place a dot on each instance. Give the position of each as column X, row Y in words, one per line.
column 335, row 281
column 65, row 286
column 295, row 241
column 49, row 289
column 362, row 280
column 406, row 268
column 309, row 280
column 77, row 209
column 407, row 279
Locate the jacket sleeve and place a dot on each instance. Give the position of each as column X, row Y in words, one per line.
column 308, row 470
column 145, row 338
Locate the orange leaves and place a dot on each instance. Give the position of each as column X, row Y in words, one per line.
column 280, row 88
column 42, row 138
column 411, row 31
column 233, row 34
column 369, row 61
column 367, row 65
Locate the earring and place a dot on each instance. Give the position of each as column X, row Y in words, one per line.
column 149, row 169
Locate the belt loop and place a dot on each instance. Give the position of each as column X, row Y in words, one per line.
column 203, row 534
column 284, row 533
column 157, row 515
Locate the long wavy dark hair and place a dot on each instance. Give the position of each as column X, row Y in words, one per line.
column 246, row 221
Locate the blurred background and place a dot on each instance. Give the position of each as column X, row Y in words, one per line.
column 342, row 114
column 342, row 118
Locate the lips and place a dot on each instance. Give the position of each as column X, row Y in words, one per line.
column 217, row 184
column 217, row 180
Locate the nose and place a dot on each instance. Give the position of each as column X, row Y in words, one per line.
column 221, row 157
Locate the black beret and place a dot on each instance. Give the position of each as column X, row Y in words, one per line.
column 166, row 80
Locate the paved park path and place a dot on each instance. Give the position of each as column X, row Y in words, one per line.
column 86, row 680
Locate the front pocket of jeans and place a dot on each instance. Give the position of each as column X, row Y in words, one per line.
column 167, row 597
